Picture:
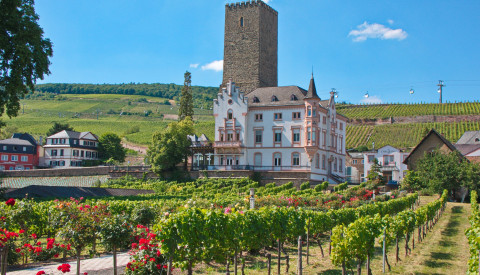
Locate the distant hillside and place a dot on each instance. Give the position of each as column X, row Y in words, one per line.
column 382, row 111
column 202, row 96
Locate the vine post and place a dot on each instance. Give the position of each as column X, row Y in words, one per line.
column 384, row 250
column 299, row 265
column 308, row 242
column 269, row 263
column 279, row 255
column 169, row 271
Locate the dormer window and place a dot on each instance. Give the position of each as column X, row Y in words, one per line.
column 256, row 100
column 274, row 98
column 477, row 140
column 293, row 98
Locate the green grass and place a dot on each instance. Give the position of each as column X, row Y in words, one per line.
column 80, row 111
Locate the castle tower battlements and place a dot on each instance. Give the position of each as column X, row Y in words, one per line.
column 250, row 45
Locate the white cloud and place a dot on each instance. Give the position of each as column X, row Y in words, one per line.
column 376, row 30
column 216, row 65
column 194, row 65
column 371, row 100
column 266, row 1
column 390, row 21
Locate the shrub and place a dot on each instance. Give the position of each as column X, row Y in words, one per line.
column 305, row 185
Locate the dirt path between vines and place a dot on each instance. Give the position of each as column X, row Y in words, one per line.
column 445, row 249
column 139, row 148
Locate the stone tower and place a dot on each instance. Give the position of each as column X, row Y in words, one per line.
column 250, row 46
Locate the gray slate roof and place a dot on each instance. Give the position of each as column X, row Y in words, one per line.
column 23, row 139
column 71, row 134
column 469, row 137
column 40, row 191
column 466, row 149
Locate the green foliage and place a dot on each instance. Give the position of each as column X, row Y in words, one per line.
column 411, row 182
column 437, row 171
column 7, row 131
column 58, row 127
column 24, row 53
column 375, row 173
column 202, row 96
column 110, row 147
column 473, row 234
column 186, row 99
column 305, row 185
column 340, row 187
column 325, row 185
column 170, row 146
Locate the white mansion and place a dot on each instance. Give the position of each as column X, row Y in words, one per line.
column 70, row 148
column 279, row 129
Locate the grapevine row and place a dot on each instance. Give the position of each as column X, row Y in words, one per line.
column 354, row 244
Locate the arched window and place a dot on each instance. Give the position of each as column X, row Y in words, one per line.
column 477, row 140
column 274, row 98
column 317, row 161
column 230, row 114
column 293, row 98
column 256, row 100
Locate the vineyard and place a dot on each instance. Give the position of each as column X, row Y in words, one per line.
column 404, row 135
column 408, row 110
column 185, row 224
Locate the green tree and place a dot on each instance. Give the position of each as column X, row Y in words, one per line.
column 6, row 131
column 375, row 173
column 110, row 147
column 186, row 100
column 438, row 171
column 170, row 146
column 58, row 127
column 24, row 53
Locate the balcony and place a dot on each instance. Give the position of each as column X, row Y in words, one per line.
column 227, row 144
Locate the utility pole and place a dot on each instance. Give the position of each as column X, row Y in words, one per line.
column 440, row 85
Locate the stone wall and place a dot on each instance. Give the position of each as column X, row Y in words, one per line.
column 67, row 172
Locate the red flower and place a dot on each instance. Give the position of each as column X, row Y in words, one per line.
column 64, row 268
column 10, row 202
column 34, row 235
column 41, row 272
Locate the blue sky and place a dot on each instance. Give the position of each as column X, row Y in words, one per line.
column 383, row 47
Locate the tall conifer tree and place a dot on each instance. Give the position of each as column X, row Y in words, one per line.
column 186, row 100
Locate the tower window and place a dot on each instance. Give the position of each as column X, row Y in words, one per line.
column 241, row 21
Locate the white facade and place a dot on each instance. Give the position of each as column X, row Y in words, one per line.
column 70, row 149
column 391, row 162
column 279, row 129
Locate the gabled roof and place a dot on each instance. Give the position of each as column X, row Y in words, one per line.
column 72, row 134
column 432, row 132
column 20, row 139
column 469, row 137
column 203, row 137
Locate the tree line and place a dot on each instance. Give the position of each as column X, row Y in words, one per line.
column 202, row 96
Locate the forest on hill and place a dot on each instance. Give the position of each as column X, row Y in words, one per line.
column 202, row 96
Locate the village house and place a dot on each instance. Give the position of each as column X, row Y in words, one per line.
column 20, row 152
column 70, row 149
